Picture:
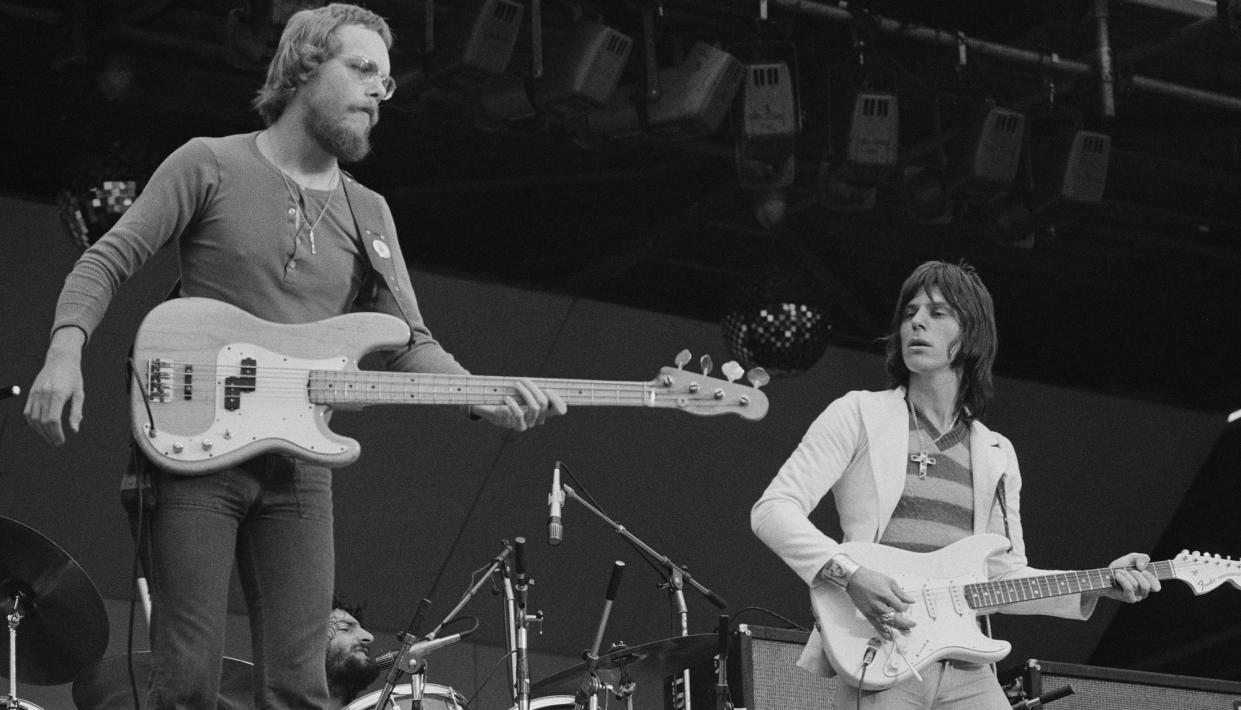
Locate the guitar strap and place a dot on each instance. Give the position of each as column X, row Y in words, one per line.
column 999, row 495
column 383, row 252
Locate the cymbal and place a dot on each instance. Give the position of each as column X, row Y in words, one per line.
column 650, row 662
column 64, row 625
column 104, row 685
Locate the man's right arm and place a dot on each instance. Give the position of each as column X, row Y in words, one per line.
column 58, row 384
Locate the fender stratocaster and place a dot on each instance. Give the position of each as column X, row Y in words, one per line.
column 952, row 589
column 217, row 385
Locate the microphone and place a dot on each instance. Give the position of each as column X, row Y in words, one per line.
column 555, row 530
column 519, row 563
column 15, row 390
column 407, row 642
column 410, row 660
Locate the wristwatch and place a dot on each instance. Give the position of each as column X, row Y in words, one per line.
column 839, row 570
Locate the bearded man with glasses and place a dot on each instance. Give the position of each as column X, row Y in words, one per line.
column 267, row 222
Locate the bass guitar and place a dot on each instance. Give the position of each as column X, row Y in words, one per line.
column 952, row 590
column 217, row 385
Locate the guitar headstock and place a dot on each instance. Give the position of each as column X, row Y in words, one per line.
column 704, row 395
column 1204, row 572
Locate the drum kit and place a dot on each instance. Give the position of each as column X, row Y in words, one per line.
column 58, row 632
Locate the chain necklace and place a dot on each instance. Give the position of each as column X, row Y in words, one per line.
column 297, row 200
column 923, row 458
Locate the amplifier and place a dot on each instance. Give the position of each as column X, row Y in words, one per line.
column 763, row 672
column 1097, row 688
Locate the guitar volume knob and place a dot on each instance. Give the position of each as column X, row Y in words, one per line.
column 207, row 444
column 178, row 447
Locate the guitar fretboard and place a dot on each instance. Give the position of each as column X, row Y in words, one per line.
column 982, row 595
column 367, row 387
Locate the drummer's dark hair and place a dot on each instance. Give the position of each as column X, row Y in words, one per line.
column 356, row 609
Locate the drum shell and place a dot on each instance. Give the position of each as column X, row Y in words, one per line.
column 434, row 697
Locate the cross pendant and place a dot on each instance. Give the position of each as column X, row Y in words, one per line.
column 923, row 459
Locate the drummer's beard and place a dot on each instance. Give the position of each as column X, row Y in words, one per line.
column 349, row 672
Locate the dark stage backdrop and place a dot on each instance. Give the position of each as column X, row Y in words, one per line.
column 1103, row 474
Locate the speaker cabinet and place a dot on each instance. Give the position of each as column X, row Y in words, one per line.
column 763, row 672
column 763, row 675
column 1096, row 688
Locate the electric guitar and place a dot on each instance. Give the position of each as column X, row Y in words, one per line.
column 217, row 385
column 952, row 589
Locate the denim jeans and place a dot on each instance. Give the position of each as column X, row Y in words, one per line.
column 946, row 685
column 274, row 516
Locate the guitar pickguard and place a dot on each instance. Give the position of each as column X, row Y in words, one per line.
column 249, row 394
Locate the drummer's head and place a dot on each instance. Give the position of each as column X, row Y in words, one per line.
column 350, row 669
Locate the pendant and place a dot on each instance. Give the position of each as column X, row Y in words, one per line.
column 923, row 459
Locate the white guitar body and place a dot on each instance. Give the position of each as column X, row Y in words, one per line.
column 951, row 590
column 947, row 627
column 199, row 432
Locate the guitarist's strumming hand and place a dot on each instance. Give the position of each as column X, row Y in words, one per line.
column 1134, row 582
column 881, row 600
column 534, row 409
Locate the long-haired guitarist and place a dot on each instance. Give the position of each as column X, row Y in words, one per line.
column 913, row 467
column 266, row 222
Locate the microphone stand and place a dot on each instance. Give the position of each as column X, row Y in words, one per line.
column 416, row 685
column 588, row 690
column 516, row 623
column 677, row 576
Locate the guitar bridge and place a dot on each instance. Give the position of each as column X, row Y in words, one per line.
column 160, row 374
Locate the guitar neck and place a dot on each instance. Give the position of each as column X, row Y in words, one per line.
column 365, row 387
column 995, row 593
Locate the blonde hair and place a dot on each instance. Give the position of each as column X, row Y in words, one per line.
column 309, row 39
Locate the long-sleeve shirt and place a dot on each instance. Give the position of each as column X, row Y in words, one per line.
column 241, row 228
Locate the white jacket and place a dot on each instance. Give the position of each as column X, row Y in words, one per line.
column 857, row 449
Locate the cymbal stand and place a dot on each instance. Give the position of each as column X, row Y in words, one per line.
column 677, row 576
column 15, row 619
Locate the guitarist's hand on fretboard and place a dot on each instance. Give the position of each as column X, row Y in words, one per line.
column 536, row 406
column 1134, row 582
column 881, row 600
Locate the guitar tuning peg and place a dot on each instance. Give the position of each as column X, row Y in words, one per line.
column 682, row 359
column 707, row 364
column 758, row 377
column 732, row 371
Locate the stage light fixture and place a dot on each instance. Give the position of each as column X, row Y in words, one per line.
column 873, row 146
column 696, row 94
column 767, row 123
column 985, row 158
column 584, row 74
column 695, row 97
column 478, row 42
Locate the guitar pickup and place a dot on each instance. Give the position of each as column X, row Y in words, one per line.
column 187, row 380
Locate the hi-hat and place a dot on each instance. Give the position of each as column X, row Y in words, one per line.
column 105, row 685
column 650, row 662
column 64, row 626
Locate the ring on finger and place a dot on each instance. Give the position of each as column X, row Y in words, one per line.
column 888, row 617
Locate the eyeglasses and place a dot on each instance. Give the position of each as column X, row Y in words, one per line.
column 368, row 71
